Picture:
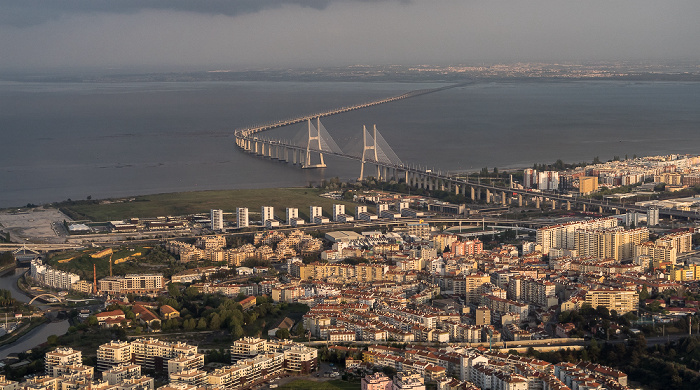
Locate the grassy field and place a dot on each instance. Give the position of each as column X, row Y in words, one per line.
column 184, row 203
column 302, row 384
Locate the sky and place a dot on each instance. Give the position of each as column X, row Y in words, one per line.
column 249, row 34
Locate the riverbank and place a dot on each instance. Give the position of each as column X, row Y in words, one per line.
column 17, row 334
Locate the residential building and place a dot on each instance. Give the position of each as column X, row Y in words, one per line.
column 113, row 354
column 217, row 220
column 376, row 381
column 242, row 217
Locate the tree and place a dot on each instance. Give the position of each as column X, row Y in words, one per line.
column 214, row 322
column 202, row 324
column 237, row 332
column 282, row 333
column 174, row 291
column 52, row 340
column 92, row 321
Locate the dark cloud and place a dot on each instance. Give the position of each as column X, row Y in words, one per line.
column 32, row 12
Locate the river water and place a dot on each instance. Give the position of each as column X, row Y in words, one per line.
column 73, row 140
column 37, row 335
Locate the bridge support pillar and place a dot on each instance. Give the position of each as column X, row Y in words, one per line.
column 554, row 204
column 568, row 205
column 537, row 202
column 457, row 189
column 316, row 138
column 617, row 211
column 285, row 154
column 600, row 209
column 366, row 148
column 473, row 193
column 504, row 198
column 488, row 196
column 583, row 207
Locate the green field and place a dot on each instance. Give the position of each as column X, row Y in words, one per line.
column 185, row 203
column 302, row 384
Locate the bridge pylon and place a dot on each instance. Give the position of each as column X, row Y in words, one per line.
column 316, row 138
column 366, row 148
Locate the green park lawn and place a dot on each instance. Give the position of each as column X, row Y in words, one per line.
column 185, row 203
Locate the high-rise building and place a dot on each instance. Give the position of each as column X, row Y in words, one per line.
column 652, row 216
column 242, row 217
column 338, row 209
column 530, row 178
column 315, row 211
column 612, row 243
column 217, row 219
column 359, row 210
column 113, row 354
column 268, row 212
column 548, row 180
column 587, row 184
column 61, row 357
column 563, row 236
column 292, row 213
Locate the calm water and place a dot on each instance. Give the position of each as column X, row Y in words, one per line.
column 73, row 140
column 37, row 335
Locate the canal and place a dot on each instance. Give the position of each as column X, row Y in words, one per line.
column 37, row 335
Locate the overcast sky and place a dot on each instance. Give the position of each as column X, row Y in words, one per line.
column 236, row 34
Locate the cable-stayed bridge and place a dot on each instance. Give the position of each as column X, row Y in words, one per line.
column 308, row 147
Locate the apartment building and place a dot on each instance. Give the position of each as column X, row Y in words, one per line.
column 153, row 354
column 217, row 220
column 242, row 217
column 131, row 283
column 61, row 357
column 682, row 241
column 247, row 348
column 468, row 285
column 113, row 354
column 300, row 360
column 562, row 236
column 121, row 372
column 51, row 277
column 651, row 254
column 622, row 301
column 611, row 243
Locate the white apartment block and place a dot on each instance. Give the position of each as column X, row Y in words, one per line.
column 131, row 283
column 267, row 213
column 149, row 352
column 292, row 213
column 338, row 209
column 61, row 357
column 113, row 354
column 247, row 347
column 242, row 217
column 121, row 372
column 217, row 219
column 563, row 236
column 359, row 210
column 52, row 277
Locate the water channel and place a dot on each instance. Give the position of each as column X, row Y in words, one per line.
column 37, row 335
